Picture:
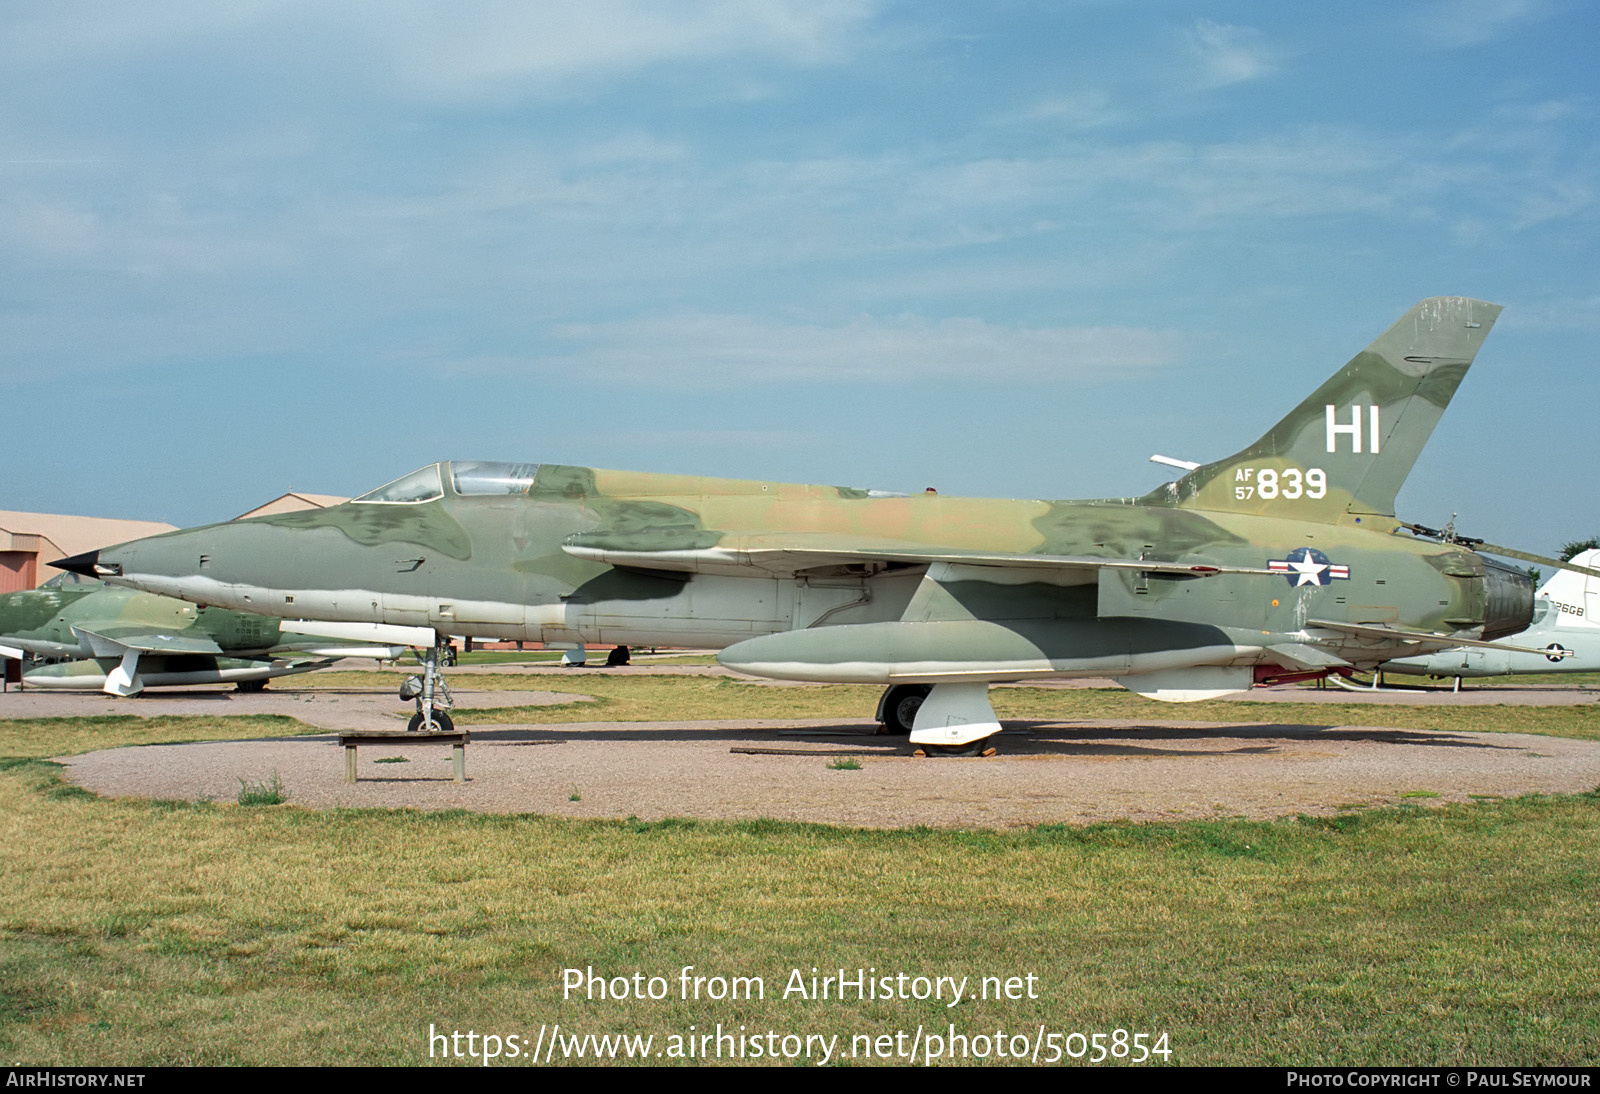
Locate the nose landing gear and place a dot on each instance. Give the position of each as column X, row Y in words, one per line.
column 431, row 693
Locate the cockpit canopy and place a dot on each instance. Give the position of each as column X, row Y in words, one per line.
column 69, row 581
column 479, row 477
column 467, row 478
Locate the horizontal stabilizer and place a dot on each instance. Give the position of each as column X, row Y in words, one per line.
column 1580, row 563
column 1370, row 630
column 1572, row 565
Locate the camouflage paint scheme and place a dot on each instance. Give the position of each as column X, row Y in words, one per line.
column 1566, row 616
column 1199, row 588
column 95, row 626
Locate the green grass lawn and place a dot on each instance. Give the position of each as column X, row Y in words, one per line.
column 137, row 932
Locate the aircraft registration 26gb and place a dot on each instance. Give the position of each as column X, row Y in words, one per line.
column 1283, row 561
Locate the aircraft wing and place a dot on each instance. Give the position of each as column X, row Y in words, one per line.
column 1370, row 630
column 117, row 640
column 786, row 554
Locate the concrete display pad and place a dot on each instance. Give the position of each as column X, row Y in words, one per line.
column 1046, row 772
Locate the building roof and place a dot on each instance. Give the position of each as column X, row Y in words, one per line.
column 52, row 535
column 293, row 502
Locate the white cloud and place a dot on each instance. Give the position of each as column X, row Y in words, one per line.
column 1084, row 110
column 1457, row 23
column 707, row 349
column 456, row 48
column 1228, row 54
column 452, row 51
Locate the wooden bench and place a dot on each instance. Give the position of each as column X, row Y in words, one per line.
column 457, row 742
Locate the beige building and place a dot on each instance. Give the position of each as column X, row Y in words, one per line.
column 293, row 502
column 29, row 542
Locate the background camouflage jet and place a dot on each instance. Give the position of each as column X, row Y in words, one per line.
column 1283, row 560
column 122, row 641
column 1565, row 632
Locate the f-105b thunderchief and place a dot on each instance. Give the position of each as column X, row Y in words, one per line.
column 1283, row 561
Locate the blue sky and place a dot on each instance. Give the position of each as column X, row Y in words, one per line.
column 1003, row 249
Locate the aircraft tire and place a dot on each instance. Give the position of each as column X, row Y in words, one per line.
column 900, row 705
column 442, row 723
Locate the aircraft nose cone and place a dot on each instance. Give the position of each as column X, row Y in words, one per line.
column 84, row 564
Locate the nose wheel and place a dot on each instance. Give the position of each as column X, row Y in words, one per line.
column 431, row 693
column 441, row 723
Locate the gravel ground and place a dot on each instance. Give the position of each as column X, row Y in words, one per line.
column 1047, row 771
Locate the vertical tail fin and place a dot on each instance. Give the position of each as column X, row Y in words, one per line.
column 1575, row 595
column 1347, row 448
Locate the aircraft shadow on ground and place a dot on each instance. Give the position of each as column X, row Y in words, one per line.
column 1020, row 738
column 1107, row 740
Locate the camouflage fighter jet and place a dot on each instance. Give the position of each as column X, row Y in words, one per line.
column 122, row 641
column 1283, row 561
column 1565, row 632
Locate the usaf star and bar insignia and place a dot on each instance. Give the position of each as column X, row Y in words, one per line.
column 1308, row 566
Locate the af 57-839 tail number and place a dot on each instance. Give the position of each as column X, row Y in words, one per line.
column 1289, row 483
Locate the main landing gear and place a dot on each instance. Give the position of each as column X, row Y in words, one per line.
column 941, row 719
column 897, row 710
column 431, row 693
